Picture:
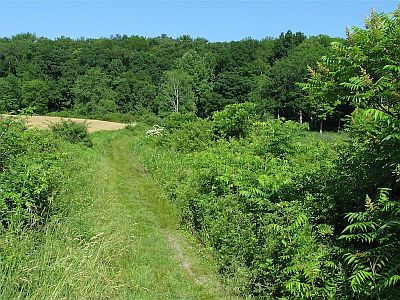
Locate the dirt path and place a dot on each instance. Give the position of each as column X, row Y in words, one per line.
column 152, row 258
column 93, row 125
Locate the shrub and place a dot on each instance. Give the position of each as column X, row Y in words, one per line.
column 235, row 120
column 194, row 136
column 375, row 261
column 72, row 132
column 276, row 137
column 256, row 200
column 10, row 131
column 29, row 173
column 175, row 121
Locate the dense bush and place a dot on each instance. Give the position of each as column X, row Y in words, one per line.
column 256, row 202
column 375, row 260
column 185, row 133
column 235, row 120
column 276, row 137
column 10, row 130
column 370, row 180
column 285, row 210
column 72, row 132
column 364, row 72
column 29, row 173
column 292, row 216
column 175, row 121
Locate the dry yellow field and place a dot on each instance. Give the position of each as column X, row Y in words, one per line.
column 93, row 125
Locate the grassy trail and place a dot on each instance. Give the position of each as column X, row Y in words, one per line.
column 119, row 240
column 152, row 259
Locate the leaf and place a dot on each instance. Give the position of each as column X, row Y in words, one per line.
column 301, row 220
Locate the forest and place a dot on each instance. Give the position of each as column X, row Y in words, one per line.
column 281, row 156
column 139, row 76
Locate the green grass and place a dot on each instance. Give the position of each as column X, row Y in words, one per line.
column 116, row 237
column 328, row 136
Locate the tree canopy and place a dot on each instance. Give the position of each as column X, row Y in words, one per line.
column 132, row 74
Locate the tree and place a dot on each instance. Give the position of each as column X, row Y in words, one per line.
column 93, row 93
column 233, row 86
column 176, row 92
column 10, row 94
column 365, row 72
column 235, row 120
column 376, row 262
column 323, row 96
column 286, row 72
column 36, row 93
column 287, row 41
column 201, row 69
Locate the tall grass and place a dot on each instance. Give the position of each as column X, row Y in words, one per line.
column 113, row 236
column 58, row 260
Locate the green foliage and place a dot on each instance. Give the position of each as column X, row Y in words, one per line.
column 93, row 94
column 175, row 121
column 286, row 42
column 10, row 135
column 372, row 233
column 288, row 98
column 363, row 72
column 375, row 263
column 135, row 74
column 276, row 137
column 268, row 197
column 235, row 120
column 29, row 174
column 323, row 97
column 35, row 93
column 250, row 199
column 201, row 69
column 72, row 132
column 176, row 92
column 10, row 94
column 185, row 133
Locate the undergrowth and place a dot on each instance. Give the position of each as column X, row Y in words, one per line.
column 43, row 245
column 275, row 202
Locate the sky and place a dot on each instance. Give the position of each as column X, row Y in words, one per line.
column 214, row 20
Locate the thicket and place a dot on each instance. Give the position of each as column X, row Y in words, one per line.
column 46, row 249
column 254, row 199
column 292, row 215
column 29, row 172
column 72, row 132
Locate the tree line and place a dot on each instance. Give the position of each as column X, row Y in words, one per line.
column 134, row 74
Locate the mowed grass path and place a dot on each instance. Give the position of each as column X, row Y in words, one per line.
column 118, row 238
column 151, row 259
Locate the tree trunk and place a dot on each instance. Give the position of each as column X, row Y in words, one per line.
column 320, row 126
column 278, row 114
column 175, row 102
column 338, row 130
column 301, row 117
